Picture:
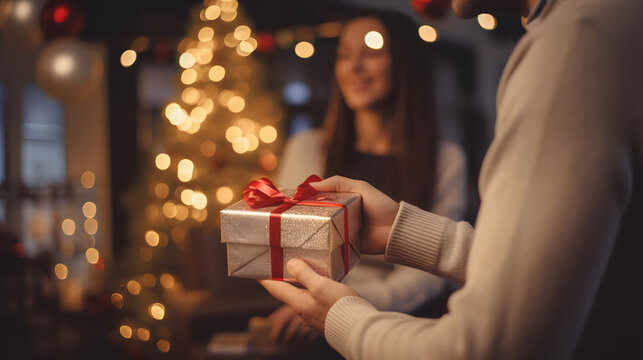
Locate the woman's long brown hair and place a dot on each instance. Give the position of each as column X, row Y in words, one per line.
column 410, row 109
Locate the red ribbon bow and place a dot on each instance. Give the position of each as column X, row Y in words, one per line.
column 262, row 192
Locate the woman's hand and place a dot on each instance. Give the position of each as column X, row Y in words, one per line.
column 312, row 303
column 288, row 330
column 379, row 211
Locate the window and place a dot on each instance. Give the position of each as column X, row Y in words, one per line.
column 43, row 139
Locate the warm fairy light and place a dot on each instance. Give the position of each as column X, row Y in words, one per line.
column 224, row 194
column 128, row 57
column 245, row 48
column 186, row 60
column 91, row 226
column 198, row 114
column 199, row 200
column 241, row 145
column 133, row 287
column 161, row 190
column 162, row 161
column 186, row 196
column 206, row 34
column 21, row 10
column 428, row 33
column 149, row 280
column 253, row 142
column 233, row 133
column 236, row 104
column 151, row 238
column 229, row 16
column 125, row 331
column 143, row 334
column 207, row 105
column 61, row 271
column 268, row 162
column 163, row 345
column 167, row 281
column 199, row 215
column 190, row 95
column 182, row 212
column 89, row 209
column 304, row 49
column 157, row 311
column 185, row 169
column 242, row 32
column 188, row 76
column 212, row 12
column 329, row 29
column 208, row 148
column 68, row 226
column 145, row 253
column 374, row 40
column 487, row 21
column 87, row 179
column 117, row 300
column 92, row 255
column 169, row 209
column 216, row 73
column 204, row 56
column 268, row 134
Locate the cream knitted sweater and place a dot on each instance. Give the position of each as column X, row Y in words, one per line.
column 554, row 266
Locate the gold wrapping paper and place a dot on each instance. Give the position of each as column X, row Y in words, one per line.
column 314, row 234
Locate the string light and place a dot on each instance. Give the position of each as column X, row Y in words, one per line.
column 167, row 281
column 304, row 49
column 149, row 280
column 186, row 60
column 91, row 226
column 89, row 209
column 185, row 169
column 128, row 57
column 162, row 161
column 68, row 226
column 60, row 270
column 224, row 194
column 233, row 133
column 152, row 238
column 487, row 21
column 92, row 255
column 87, row 179
column 428, row 33
column 161, row 190
column 125, row 331
column 236, row 104
column 133, row 287
column 117, row 300
column 268, row 134
column 163, row 345
column 143, row 334
column 212, row 12
column 374, row 40
column 216, row 73
column 157, row 311
column 205, row 34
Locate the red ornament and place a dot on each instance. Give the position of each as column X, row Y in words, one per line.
column 434, row 9
column 265, row 42
column 62, row 18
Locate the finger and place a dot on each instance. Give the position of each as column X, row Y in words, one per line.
column 285, row 292
column 278, row 322
column 305, row 275
column 336, row 183
column 290, row 333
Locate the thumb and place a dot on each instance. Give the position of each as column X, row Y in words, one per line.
column 305, row 275
column 336, row 183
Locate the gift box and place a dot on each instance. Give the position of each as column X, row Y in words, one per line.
column 270, row 227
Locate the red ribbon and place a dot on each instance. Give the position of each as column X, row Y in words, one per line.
column 262, row 192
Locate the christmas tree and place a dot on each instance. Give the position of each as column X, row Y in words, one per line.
column 217, row 135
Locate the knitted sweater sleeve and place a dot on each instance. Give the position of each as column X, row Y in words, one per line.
column 554, row 187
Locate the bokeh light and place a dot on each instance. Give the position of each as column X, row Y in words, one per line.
column 133, row 287
column 60, row 270
column 157, row 311
column 89, row 209
column 68, row 226
column 428, row 33
column 487, row 21
column 374, row 40
column 128, row 57
column 162, row 161
column 304, row 49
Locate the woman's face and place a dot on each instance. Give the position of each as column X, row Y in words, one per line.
column 363, row 74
